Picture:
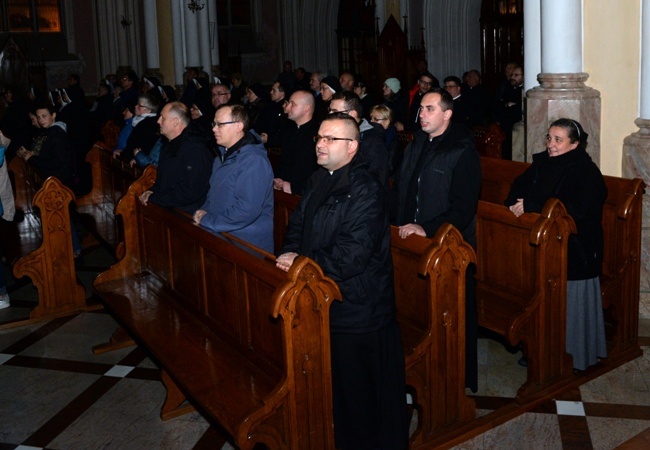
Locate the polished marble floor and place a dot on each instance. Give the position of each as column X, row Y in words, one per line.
column 56, row 394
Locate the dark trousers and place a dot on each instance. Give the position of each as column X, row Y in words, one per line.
column 369, row 390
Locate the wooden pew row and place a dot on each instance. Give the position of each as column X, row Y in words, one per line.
column 430, row 298
column 521, row 288
column 244, row 341
column 110, row 180
column 620, row 279
column 51, row 265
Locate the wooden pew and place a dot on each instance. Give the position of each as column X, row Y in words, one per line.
column 245, row 342
column 430, row 299
column 51, row 266
column 620, row 279
column 521, row 288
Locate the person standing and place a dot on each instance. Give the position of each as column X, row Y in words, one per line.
column 439, row 182
column 342, row 224
column 566, row 172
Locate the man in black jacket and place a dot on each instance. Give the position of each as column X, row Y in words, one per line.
column 342, row 224
column 185, row 163
column 439, row 182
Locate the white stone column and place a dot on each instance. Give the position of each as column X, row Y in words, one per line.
column 636, row 156
column 151, row 34
column 645, row 61
column 179, row 53
column 204, row 40
column 532, row 43
column 561, row 36
column 214, row 34
column 122, row 33
column 192, row 45
column 563, row 91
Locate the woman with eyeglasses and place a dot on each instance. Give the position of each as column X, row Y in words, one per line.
column 565, row 171
column 383, row 115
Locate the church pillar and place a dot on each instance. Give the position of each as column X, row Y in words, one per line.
column 562, row 91
column 214, row 40
column 192, row 43
column 204, row 40
column 636, row 155
column 126, row 21
column 151, row 39
column 179, row 54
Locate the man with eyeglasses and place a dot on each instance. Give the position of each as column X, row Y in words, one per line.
column 297, row 158
column 426, row 82
column 240, row 199
column 341, row 223
column 462, row 113
column 220, row 95
column 439, row 182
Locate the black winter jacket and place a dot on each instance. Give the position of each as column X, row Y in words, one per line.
column 576, row 181
column 348, row 235
column 448, row 184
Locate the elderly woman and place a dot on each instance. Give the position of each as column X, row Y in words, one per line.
column 566, row 172
column 383, row 115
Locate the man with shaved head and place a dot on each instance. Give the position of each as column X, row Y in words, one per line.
column 342, row 224
column 298, row 159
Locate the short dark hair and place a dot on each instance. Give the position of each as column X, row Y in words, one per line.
column 452, row 79
column 446, row 102
column 238, row 114
column 352, row 101
column 44, row 105
column 350, row 123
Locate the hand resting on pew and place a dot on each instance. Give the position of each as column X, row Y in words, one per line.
column 144, row 197
column 411, row 228
column 285, row 261
column 198, row 215
column 518, row 208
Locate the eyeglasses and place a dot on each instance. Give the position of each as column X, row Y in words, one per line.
column 221, row 94
column 428, row 83
column 329, row 139
column 332, row 111
column 142, row 106
column 378, row 119
column 221, row 124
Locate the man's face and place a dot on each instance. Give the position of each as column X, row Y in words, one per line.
column 167, row 122
column 424, row 83
column 338, row 153
column 517, row 77
column 473, row 79
column 45, row 119
column 126, row 83
column 314, row 83
column 276, row 93
column 296, row 108
column 433, row 119
column 347, row 82
column 452, row 88
column 226, row 133
column 220, row 95
column 338, row 106
column 508, row 70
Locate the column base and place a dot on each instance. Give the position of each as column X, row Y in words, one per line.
column 636, row 164
column 562, row 95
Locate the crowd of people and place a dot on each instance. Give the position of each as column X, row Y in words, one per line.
column 339, row 150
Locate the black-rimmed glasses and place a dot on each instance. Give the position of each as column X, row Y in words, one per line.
column 329, row 139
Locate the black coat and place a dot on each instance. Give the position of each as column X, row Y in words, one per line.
column 298, row 156
column 144, row 136
column 576, row 181
column 447, row 183
column 348, row 235
column 56, row 155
